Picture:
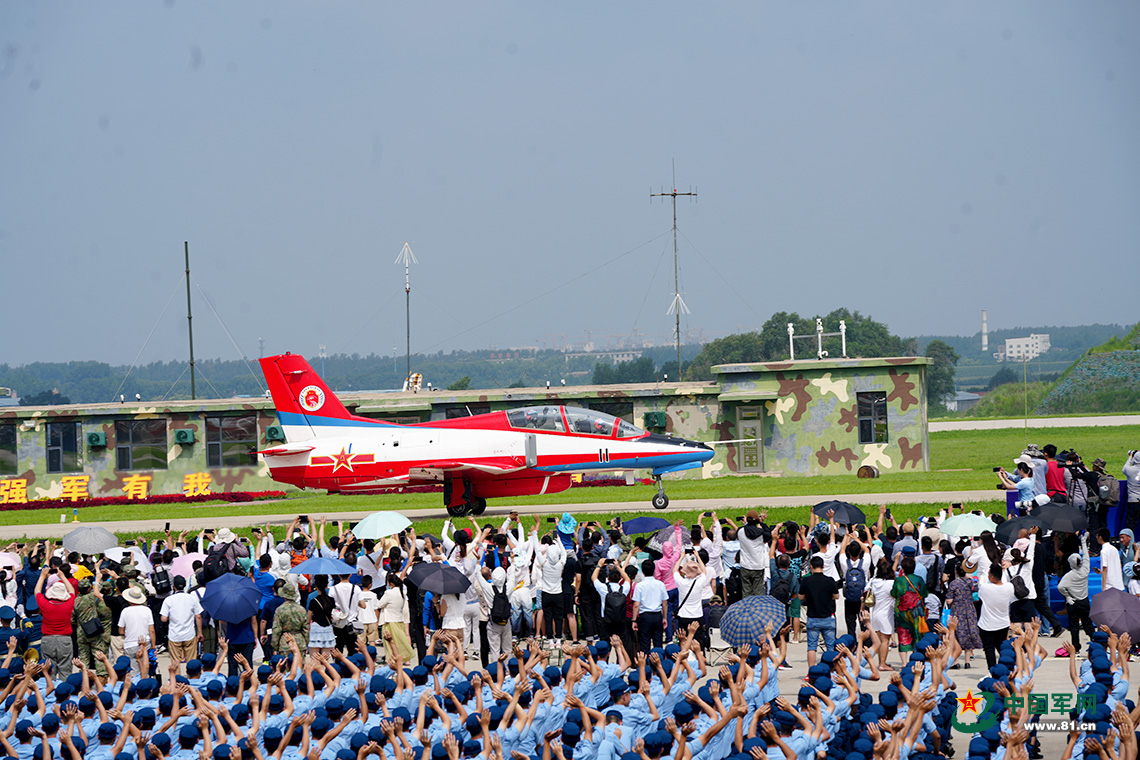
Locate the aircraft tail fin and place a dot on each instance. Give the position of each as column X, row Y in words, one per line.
column 306, row 407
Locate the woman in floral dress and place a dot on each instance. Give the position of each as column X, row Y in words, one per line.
column 960, row 597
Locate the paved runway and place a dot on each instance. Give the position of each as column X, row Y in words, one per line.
column 1037, row 423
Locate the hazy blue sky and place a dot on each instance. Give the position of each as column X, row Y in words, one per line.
column 915, row 161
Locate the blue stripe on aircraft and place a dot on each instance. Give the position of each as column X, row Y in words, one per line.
column 637, row 463
column 292, row 418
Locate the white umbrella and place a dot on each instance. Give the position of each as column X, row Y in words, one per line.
column 381, row 525
column 10, row 559
column 140, row 560
column 966, row 525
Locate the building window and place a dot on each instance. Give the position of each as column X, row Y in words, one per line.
column 63, row 447
column 140, row 444
column 7, row 449
column 872, row 417
column 231, row 441
column 467, row 410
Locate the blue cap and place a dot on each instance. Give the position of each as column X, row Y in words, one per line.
column 123, row 664
column 824, row 685
column 472, row 748
column 124, row 756
column 50, row 723
column 438, row 752
column 276, row 701
column 221, row 752
column 194, row 666
column 472, row 725
column 144, row 718
column 7, row 613
column 272, row 736
column 335, row 708
column 345, row 754
column 240, row 713
column 162, row 741
column 552, row 675
column 209, row 660
column 214, row 688
column 618, row 687
column 320, row 727
column 420, row 673
column 106, row 730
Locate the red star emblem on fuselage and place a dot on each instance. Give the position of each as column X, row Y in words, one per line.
column 969, row 702
column 343, row 459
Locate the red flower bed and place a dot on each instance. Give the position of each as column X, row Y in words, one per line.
column 175, row 498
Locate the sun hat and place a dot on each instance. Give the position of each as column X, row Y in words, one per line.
column 135, row 595
column 225, row 536
column 58, row 592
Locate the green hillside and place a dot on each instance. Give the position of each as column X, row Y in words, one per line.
column 1106, row 379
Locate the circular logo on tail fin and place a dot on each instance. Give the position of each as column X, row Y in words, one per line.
column 311, row 398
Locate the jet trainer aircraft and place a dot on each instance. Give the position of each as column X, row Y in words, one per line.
column 520, row 452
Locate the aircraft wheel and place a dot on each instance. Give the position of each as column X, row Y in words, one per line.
column 479, row 506
column 457, row 511
column 660, row 501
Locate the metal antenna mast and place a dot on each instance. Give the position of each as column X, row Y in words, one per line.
column 408, row 258
column 189, row 319
column 678, row 306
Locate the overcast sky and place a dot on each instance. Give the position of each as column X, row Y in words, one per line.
column 915, row 161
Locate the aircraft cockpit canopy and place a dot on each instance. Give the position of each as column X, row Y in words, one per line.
column 585, row 421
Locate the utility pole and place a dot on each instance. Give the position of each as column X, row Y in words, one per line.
column 322, row 347
column 261, row 348
column 408, row 258
column 189, row 320
column 678, row 304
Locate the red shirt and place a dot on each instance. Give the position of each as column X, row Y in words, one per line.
column 1054, row 478
column 57, row 616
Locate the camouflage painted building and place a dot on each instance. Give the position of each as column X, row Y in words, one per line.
column 825, row 417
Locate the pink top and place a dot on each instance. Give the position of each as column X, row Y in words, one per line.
column 663, row 570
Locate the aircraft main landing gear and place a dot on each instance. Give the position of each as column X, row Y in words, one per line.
column 659, row 500
column 471, row 504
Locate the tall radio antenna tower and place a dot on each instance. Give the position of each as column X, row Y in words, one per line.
column 678, row 306
column 408, row 258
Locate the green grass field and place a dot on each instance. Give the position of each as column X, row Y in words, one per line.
column 960, row 460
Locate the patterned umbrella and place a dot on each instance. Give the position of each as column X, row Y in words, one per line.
column 967, row 525
column 657, row 543
column 743, row 622
column 1117, row 609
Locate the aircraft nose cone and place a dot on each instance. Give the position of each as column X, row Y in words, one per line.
column 684, row 443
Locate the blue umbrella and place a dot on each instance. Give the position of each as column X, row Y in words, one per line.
column 743, row 622
column 322, row 566
column 644, row 525
column 232, row 598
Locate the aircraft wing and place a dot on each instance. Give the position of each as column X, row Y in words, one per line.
column 435, row 470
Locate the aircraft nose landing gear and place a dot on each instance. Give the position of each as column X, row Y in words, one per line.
column 470, row 505
column 659, row 500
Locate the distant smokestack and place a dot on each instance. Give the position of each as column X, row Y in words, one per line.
column 985, row 334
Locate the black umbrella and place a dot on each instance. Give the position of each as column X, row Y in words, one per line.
column 844, row 513
column 438, row 578
column 1061, row 518
column 1007, row 532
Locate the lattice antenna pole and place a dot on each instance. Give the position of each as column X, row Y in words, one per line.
column 408, row 258
column 678, row 304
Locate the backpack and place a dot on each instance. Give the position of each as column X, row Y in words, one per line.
column 854, row 582
column 614, row 609
column 162, row 582
column 1108, row 490
column 500, row 607
column 296, row 558
column 934, row 575
column 215, row 565
column 782, row 586
column 1020, row 590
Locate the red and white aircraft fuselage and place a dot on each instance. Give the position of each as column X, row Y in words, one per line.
column 525, row 451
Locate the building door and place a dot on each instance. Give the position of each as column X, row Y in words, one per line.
column 750, row 453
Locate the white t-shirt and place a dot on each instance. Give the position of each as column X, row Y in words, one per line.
column 995, row 604
column 180, row 610
column 136, row 621
column 650, row 595
column 690, row 603
column 829, row 554
column 1112, row 575
column 366, row 607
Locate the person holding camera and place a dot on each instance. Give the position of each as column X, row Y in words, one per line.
column 1131, row 472
column 1021, row 481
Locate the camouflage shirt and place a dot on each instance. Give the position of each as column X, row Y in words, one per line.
column 290, row 618
column 88, row 606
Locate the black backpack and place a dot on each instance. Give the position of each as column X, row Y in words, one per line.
column 215, row 565
column 162, row 582
column 854, row 581
column 782, row 586
column 613, row 613
column 934, row 575
column 500, row 607
column 1020, row 590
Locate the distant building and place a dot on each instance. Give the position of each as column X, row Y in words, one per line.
column 961, row 401
column 1023, row 349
